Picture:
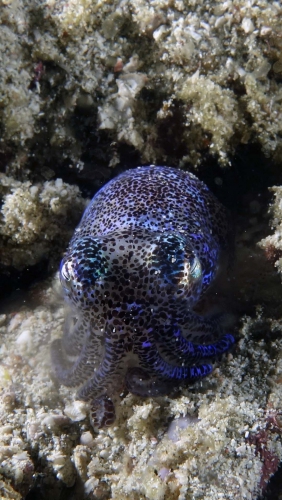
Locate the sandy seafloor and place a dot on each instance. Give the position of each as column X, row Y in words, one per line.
column 87, row 89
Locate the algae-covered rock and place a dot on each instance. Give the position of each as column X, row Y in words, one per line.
column 272, row 244
column 61, row 57
column 36, row 220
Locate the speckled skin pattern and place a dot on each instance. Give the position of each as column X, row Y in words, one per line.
column 146, row 250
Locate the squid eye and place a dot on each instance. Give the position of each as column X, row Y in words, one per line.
column 177, row 264
column 195, row 268
column 89, row 262
column 169, row 258
column 64, row 272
